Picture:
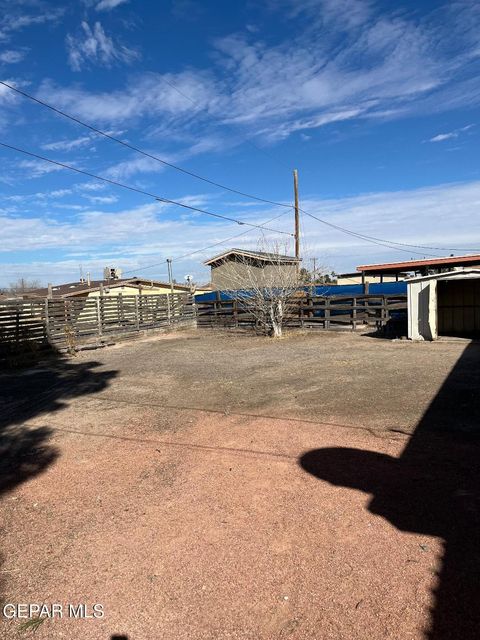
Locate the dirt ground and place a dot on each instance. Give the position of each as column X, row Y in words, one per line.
column 203, row 486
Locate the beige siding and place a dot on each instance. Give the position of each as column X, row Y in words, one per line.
column 134, row 291
column 231, row 275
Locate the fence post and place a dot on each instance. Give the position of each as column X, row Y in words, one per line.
column 174, row 307
column 169, row 310
column 47, row 321
column 99, row 316
column 354, row 314
column 326, row 324
column 385, row 313
column 235, row 313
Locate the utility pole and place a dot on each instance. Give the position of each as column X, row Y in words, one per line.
column 170, row 276
column 314, row 269
column 297, row 219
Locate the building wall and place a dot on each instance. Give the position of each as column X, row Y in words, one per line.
column 422, row 310
column 370, row 279
column 237, row 275
column 134, row 291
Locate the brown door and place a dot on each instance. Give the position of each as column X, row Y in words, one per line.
column 458, row 307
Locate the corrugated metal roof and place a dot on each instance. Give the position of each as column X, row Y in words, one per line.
column 463, row 274
column 79, row 288
column 261, row 255
column 411, row 265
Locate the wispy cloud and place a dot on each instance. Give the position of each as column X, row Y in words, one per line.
column 14, row 20
column 142, row 164
column 37, row 168
column 101, row 199
column 350, row 62
column 68, row 145
column 176, row 96
column 441, row 137
column 444, row 136
column 93, row 46
column 108, row 5
column 442, row 216
column 6, row 96
column 12, row 56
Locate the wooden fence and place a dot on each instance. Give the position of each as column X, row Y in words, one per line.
column 66, row 323
column 311, row 311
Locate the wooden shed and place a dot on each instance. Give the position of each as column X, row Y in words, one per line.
column 239, row 268
column 445, row 304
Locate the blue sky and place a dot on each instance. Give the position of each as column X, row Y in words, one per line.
column 375, row 103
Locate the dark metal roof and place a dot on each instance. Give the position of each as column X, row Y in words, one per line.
column 260, row 255
column 81, row 288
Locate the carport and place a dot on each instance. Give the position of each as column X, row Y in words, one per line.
column 446, row 304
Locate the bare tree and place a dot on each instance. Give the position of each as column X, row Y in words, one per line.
column 22, row 286
column 265, row 284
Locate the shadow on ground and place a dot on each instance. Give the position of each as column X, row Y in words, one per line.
column 432, row 489
column 26, row 393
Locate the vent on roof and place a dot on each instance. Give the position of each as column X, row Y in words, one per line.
column 112, row 273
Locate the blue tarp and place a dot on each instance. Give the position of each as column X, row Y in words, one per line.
column 391, row 288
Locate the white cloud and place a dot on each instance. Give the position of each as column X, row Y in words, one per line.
column 11, row 56
column 442, row 216
column 349, row 62
column 148, row 94
column 14, row 21
column 91, row 186
column 441, row 137
column 101, row 199
column 107, row 5
column 444, row 136
column 7, row 96
column 38, row 168
column 93, row 46
column 68, row 145
column 143, row 164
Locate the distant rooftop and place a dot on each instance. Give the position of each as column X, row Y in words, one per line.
column 79, row 288
column 423, row 264
column 259, row 255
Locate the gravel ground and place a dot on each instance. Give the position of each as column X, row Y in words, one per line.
column 203, row 485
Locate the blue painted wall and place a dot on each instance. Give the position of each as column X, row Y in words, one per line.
column 329, row 290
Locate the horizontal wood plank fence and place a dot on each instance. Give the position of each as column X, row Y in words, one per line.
column 311, row 311
column 65, row 323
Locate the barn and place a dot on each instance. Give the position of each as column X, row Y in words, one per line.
column 444, row 304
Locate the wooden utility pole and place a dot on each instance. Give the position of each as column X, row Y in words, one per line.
column 297, row 219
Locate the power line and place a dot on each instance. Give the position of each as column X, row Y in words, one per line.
column 373, row 239
column 205, row 212
column 144, row 153
column 210, row 246
column 141, row 191
column 363, row 237
column 247, row 140
column 406, row 244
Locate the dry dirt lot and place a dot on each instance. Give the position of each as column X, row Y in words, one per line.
column 204, row 486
